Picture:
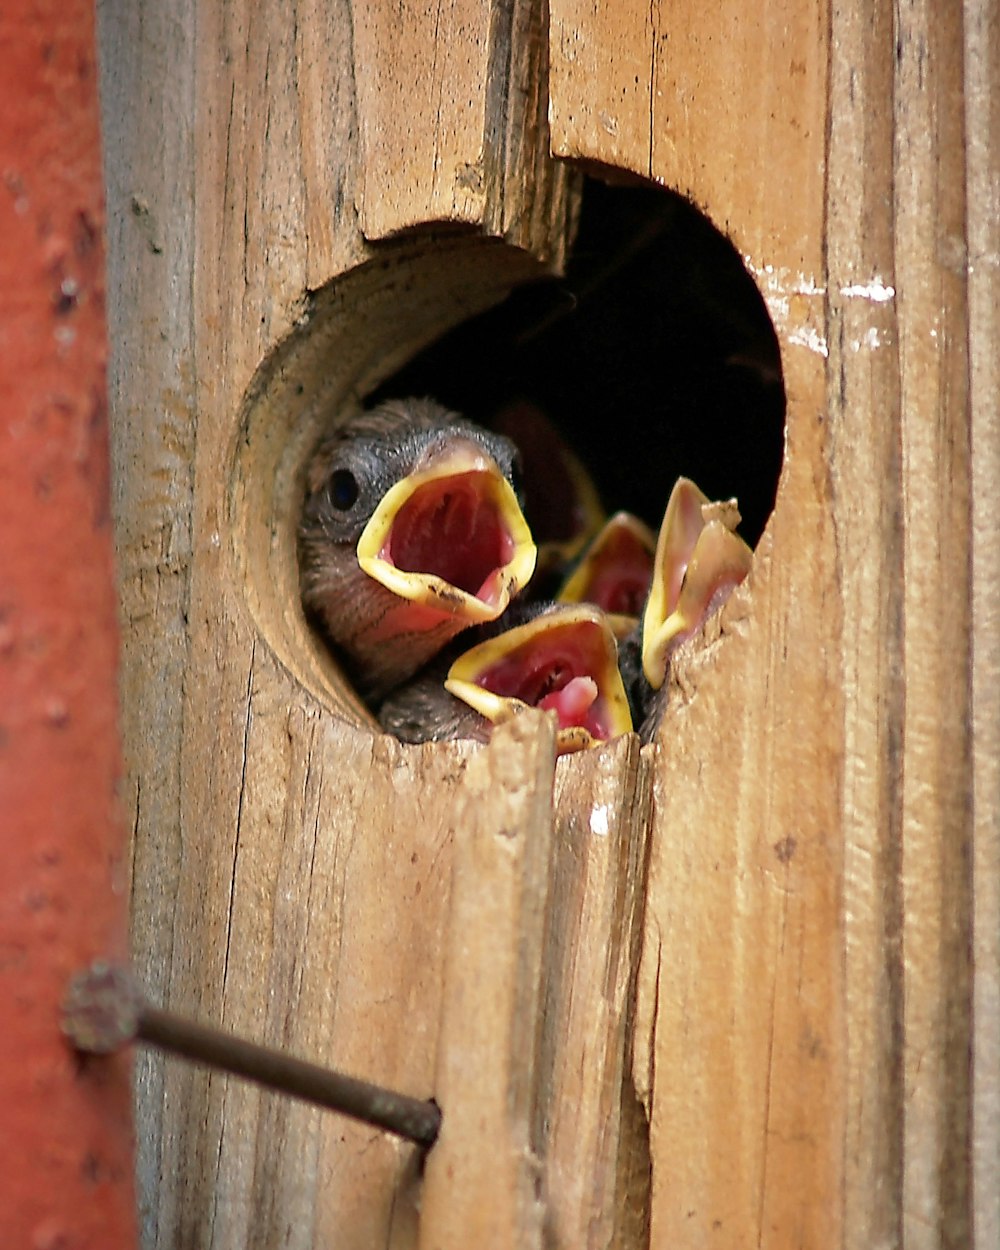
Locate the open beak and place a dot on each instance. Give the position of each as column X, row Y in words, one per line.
column 616, row 570
column 565, row 661
column 699, row 560
column 450, row 540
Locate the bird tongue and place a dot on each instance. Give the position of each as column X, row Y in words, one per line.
column 551, row 676
column 572, row 703
column 452, row 528
column 553, row 672
column 563, row 660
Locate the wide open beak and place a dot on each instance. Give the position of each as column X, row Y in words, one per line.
column 564, row 660
column 616, row 570
column 699, row 560
column 450, row 540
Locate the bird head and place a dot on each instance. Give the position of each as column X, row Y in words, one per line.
column 411, row 531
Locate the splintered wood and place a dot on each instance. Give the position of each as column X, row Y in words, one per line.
column 484, row 1177
column 771, row 1042
column 824, row 848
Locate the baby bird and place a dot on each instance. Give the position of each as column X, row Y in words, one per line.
column 699, row 561
column 554, row 657
column 411, row 531
column 616, row 568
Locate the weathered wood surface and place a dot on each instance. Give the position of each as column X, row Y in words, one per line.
column 825, row 866
column 823, row 849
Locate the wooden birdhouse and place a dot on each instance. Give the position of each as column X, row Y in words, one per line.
column 736, row 987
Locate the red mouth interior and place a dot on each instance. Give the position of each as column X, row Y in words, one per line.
column 620, row 577
column 555, row 670
column 452, row 528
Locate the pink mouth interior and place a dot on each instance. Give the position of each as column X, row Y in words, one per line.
column 621, row 589
column 554, row 671
column 572, row 703
column 621, row 577
column 452, row 528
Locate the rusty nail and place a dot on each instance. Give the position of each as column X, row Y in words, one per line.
column 104, row 1009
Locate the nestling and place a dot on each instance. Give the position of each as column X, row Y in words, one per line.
column 411, row 531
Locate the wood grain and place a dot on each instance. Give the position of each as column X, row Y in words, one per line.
column 483, row 1184
column 452, row 113
column 982, row 206
column 931, row 273
column 834, row 149
column 291, row 870
column 822, row 836
column 597, row 1149
column 867, row 465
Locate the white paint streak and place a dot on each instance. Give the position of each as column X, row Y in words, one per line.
column 782, row 287
column 871, row 339
column 599, row 821
column 876, row 291
column 806, row 336
column 785, row 283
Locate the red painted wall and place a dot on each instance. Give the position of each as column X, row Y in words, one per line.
column 65, row 1131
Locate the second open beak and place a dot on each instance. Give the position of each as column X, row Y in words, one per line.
column 699, row 560
column 564, row 660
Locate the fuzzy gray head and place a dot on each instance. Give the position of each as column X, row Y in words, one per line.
column 358, row 462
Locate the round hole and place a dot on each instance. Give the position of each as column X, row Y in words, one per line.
column 653, row 355
column 351, row 335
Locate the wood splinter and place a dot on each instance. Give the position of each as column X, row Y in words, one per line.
column 105, row 1009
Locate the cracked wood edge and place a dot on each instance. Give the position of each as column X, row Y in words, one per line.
column 452, row 114
column 483, row 1182
column 597, row 1141
column 891, row 278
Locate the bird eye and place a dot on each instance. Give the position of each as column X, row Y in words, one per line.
column 343, row 490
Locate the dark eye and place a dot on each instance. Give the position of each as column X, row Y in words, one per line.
column 342, row 490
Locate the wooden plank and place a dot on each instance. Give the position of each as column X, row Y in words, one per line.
column 931, row 259
column 271, row 827
column 601, row 82
column 737, row 1053
column 544, row 947
column 867, row 474
column 739, row 123
column 982, row 139
column 452, row 121
column 727, row 110
column 483, row 1176
column 422, row 112
column 597, row 1152
column 149, row 189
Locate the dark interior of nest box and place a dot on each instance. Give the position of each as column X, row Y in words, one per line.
column 654, row 355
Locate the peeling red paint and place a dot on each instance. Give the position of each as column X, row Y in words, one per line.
column 65, row 1129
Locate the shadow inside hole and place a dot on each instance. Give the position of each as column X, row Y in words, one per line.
column 654, row 356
